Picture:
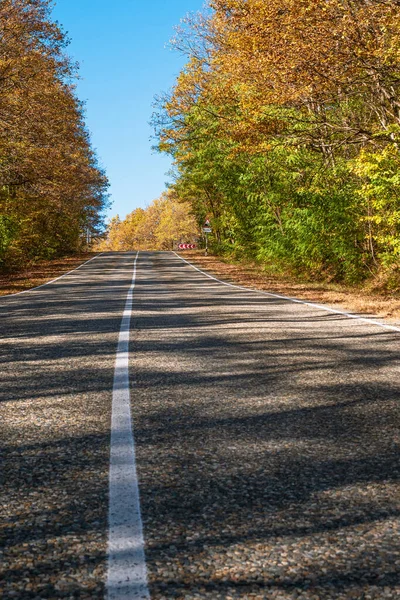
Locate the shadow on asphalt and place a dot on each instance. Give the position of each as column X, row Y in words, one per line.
column 281, row 441
column 261, row 428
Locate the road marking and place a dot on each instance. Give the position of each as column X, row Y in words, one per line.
column 296, row 300
column 127, row 574
column 53, row 280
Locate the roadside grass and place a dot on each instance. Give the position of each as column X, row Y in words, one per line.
column 39, row 273
column 360, row 300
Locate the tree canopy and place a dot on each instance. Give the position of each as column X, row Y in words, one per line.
column 52, row 189
column 284, row 125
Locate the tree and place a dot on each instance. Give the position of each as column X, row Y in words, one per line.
column 51, row 186
column 284, row 125
column 164, row 222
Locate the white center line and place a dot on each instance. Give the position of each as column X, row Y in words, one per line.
column 127, row 574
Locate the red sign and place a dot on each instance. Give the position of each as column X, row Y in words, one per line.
column 186, row 246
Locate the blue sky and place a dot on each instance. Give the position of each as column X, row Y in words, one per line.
column 124, row 64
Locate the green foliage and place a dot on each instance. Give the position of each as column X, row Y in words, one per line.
column 379, row 192
column 290, row 143
column 8, row 231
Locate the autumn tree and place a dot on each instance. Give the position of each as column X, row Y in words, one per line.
column 283, row 124
column 52, row 189
column 160, row 226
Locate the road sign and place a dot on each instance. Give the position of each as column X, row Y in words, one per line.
column 186, row 246
column 207, row 229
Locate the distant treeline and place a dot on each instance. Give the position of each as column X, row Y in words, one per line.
column 284, row 127
column 52, row 190
column 158, row 227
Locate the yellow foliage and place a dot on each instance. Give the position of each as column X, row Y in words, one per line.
column 303, row 55
column 164, row 223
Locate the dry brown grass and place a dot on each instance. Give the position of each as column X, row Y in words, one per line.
column 37, row 274
column 359, row 300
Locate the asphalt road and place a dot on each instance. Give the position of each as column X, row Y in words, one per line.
column 267, row 439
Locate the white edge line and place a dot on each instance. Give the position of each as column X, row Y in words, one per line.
column 289, row 299
column 127, row 573
column 53, row 280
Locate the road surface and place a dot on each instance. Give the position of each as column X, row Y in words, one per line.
column 266, row 436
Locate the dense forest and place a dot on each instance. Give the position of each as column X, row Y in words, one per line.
column 52, row 190
column 284, row 128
